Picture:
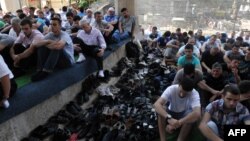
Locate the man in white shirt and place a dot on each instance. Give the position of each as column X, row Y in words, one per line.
column 93, row 44
column 183, row 109
column 16, row 29
column 89, row 17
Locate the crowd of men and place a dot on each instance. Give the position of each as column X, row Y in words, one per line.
column 46, row 40
column 212, row 81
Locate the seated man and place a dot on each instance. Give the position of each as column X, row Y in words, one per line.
column 172, row 48
column 69, row 23
column 191, row 41
column 216, row 81
column 236, row 52
column 183, row 109
column 8, row 85
column 23, row 43
column 111, row 17
column 16, row 28
column 244, row 87
column 105, row 28
column 244, row 66
column 196, row 75
column 210, row 43
column 93, row 44
column 210, row 57
column 225, row 111
column 153, row 37
column 231, row 72
column 126, row 26
column 55, row 50
column 188, row 58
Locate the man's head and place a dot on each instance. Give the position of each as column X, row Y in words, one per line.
column 124, row 12
column 189, row 50
column 216, row 70
column 214, row 49
column 111, row 11
column 55, row 25
column 231, row 96
column 212, row 39
column 236, row 47
column 19, row 11
column 234, row 63
column 191, row 40
column 199, row 32
column 85, row 25
column 26, row 26
column 154, row 29
column 46, row 9
column 76, row 20
column 32, row 10
column 40, row 14
column 15, row 23
column 186, row 86
column 64, row 8
column 244, row 87
column 7, row 18
column 189, row 70
column 98, row 16
column 70, row 16
column 89, row 12
column 178, row 31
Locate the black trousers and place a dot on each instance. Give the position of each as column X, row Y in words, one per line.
column 13, row 88
column 26, row 62
column 90, row 50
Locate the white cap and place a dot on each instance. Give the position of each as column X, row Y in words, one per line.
column 89, row 10
column 111, row 9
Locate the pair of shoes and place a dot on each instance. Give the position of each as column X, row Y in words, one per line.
column 73, row 108
column 44, row 131
column 81, row 58
column 40, row 75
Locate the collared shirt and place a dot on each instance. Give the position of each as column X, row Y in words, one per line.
column 90, row 20
column 26, row 41
column 183, row 60
column 218, row 115
column 100, row 25
column 110, row 18
column 95, row 37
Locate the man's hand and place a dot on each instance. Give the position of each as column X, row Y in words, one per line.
column 173, row 122
column 100, row 53
column 77, row 47
column 16, row 59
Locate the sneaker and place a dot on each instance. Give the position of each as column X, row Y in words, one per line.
column 101, row 74
column 81, row 58
column 6, row 104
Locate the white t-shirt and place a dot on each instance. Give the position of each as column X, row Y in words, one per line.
column 4, row 70
column 178, row 104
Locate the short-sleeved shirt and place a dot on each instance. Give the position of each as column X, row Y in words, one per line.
column 95, row 37
column 178, row 104
column 216, row 110
column 180, row 76
column 6, row 40
column 100, row 25
column 216, row 83
column 196, row 51
column 127, row 23
column 68, row 48
column 4, row 70
column 26, row 41
column 182, row 61
column 231, row 55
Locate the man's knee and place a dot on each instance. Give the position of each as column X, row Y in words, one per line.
column 213, row 127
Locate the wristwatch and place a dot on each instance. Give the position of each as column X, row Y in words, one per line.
column 168, row 117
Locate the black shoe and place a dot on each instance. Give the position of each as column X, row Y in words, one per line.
column 40, row 75
column 17, row 72
column 82, row 97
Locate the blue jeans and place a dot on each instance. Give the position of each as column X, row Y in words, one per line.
column 48, row 59
column 120, row 36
